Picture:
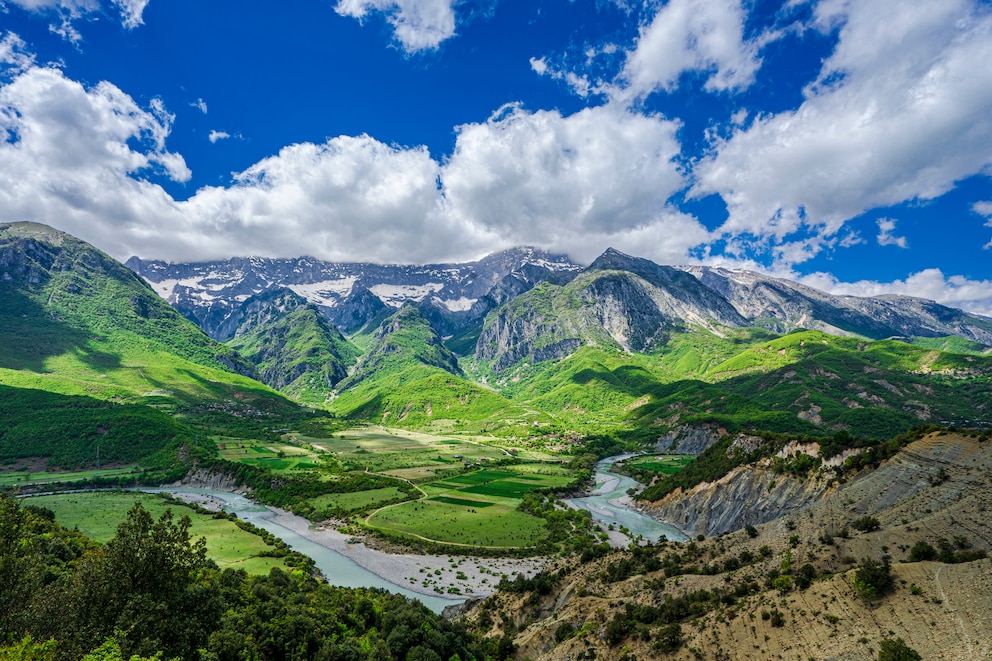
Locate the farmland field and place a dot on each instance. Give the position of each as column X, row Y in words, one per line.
column 23, row 478
column 98, row 514
column 663, row 464
column 279, row 457
column 357, row 500
column 498, row 526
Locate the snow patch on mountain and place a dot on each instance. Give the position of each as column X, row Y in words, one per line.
column 459, row 304
column 327, row 293
column 395, row 295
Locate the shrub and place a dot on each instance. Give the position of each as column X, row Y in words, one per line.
column 564, row 631
column 752, row 532
column 874, row 578
column 897, row 650
column 922, row 551
column 866, row 524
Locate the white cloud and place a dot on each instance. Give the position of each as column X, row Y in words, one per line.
column 218, row 135
column 76, row 157
column 704, row 36
column 200, row 105
column 899, row 112
column 131, row 11
column 417, row 24
column 81, row 158
column 885, row 236
column 14, row 57
column 67, row 12
column 954, row 291
column 602, row 174
column 581, row 85
column 983, row 208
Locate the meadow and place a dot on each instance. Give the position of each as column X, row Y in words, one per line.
column 24, row 478
column 435, row 488
column 98, row 514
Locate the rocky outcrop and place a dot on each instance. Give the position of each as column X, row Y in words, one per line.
column 783, row 306
column 687, row 439
column 745, row 496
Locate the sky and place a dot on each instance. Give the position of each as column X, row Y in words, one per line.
column 846, row 144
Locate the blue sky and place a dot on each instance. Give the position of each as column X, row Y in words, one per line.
column 844, row 143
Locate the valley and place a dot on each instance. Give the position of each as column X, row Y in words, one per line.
column 450, row 421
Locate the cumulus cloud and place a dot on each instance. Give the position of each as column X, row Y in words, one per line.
column 954, row 291
column 218, row 135
column 540, row 177
column 86, row 159
column 200, row 105
column 692, row 36
column 899, row 112
column 885, row 236
column 78, row 157
column 417, row 24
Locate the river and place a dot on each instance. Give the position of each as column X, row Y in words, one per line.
column 336, row 568
column 608, row 504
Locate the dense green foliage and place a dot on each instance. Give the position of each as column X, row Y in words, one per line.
column 151, row 590
column 299, row 353
column 75, row 321
column 68, row 430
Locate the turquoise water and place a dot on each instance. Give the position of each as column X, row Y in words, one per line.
column 602, row 504
column 337, row 569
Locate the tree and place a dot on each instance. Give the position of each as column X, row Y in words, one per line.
column 897, row 650
column 147, row 583
column 922, row 551
column 874, row 578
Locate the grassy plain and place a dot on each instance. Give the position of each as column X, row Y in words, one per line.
column 661, row 464
column 278, row 457
column 486, row 524
column 23, row 478
column 98, row 514
column 357, row 500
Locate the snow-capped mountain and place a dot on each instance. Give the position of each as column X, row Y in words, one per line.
column 210, row 293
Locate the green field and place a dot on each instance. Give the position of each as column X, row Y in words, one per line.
column 662, row 464
column 498, row 526
column 278, row 457
column 358, row 500
column 23, row 478
column 98, row 514
column 378, row 450
column 475, row 508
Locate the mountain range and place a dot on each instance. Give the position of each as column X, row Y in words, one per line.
column 522, row 337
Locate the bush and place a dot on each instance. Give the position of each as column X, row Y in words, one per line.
column 752, row 532
column 897, row 650
column 874, row 578
column 922, row 551
column 866, row 524
column 564, row 631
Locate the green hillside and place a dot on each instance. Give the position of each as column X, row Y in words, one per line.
column 74, row 433
column 300, row 354
column 408, row 378
column 75, row 321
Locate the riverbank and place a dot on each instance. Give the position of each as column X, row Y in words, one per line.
column 449, row 576
column 623, row 520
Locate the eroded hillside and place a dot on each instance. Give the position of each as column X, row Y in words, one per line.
column 796, row 587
